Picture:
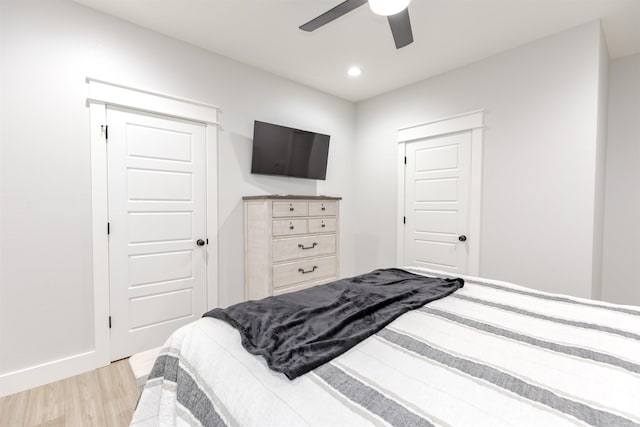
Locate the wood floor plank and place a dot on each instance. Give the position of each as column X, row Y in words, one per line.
column 58, row 422
column 102, row 397
column 13, row 409
column 46, row 405
column 83, row 404
column 119, row 393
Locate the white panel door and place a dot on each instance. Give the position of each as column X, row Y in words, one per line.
column 157, row 203
column 437, row 190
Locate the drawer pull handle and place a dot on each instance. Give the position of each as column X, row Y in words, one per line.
column 291, row 208
column 303, row 247
column 301, row 270
column 323, row 225
column 291, row 227
column 324, row 209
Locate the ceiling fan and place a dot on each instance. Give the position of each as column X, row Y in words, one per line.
column 396, row 11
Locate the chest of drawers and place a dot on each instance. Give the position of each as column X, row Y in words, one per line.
column 291, row 243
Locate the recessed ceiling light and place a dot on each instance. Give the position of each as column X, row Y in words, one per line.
column 354, row 71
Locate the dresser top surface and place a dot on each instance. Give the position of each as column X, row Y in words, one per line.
column 289, row 197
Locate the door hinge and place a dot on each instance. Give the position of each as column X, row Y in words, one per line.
column 404, row 219
column 105, row 130
column 405, row 160
column 108, row 228
column 109, row 322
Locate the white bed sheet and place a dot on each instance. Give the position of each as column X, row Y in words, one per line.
column 491, row 354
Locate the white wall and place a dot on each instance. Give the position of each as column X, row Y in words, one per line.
column 600, row 166
column 541, row 103
column 48, row 48
column 621, row 267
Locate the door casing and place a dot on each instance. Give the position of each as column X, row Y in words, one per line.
column 472, row 121
column 101, row 94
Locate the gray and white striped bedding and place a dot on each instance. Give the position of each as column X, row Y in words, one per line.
column 492, row 354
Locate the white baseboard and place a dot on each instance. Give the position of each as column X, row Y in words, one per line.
column 45, row 373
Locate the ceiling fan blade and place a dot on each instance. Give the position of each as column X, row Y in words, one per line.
column 335, row 13
column 401, row 28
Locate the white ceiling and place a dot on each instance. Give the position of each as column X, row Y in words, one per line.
column 447, row 33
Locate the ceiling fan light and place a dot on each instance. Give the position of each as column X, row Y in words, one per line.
column 388, row 7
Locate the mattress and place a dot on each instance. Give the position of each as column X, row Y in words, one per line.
column 491, row 354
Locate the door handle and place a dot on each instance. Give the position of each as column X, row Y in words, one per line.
column 462, row 238
column 200, row 242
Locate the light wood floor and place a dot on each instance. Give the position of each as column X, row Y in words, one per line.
column 102, row 397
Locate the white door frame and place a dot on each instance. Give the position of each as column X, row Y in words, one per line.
column 102, row 94
column 472, row 121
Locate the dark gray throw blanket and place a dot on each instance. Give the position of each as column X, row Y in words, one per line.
column 299, row 331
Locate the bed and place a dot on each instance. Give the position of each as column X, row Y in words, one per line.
column 490, row 354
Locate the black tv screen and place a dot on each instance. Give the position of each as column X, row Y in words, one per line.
column 280, row 150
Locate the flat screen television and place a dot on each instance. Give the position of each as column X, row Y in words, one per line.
column 281, row 150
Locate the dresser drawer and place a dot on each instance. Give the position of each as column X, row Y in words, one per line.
column 303, row 271
column 323, row 208
column 303, row 247
column 289, row 227
column 322, row 225
column 285, row 209
column 305, row 285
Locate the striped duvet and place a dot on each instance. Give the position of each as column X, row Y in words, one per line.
column 492, row 354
